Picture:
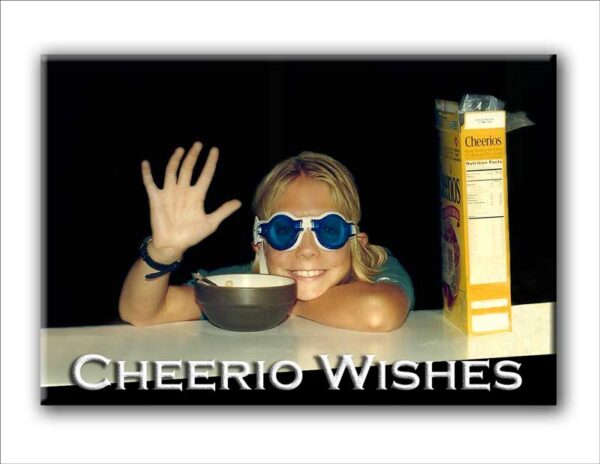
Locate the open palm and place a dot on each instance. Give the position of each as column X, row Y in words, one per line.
column 177, row 214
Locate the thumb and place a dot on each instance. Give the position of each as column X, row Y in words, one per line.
column 224, row 211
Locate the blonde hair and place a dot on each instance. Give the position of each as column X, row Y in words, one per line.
column 366, row 260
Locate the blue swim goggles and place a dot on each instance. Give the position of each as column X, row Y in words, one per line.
column 284, row 231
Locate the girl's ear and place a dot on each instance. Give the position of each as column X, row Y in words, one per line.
column 255, row 247
column 363, row 239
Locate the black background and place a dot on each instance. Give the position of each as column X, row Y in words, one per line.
column 103, row 116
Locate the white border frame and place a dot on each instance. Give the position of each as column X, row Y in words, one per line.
column 567, row 433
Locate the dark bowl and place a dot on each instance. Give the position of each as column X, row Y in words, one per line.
column 246, row 302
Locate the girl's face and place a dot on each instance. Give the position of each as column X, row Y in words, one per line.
column 315, row 270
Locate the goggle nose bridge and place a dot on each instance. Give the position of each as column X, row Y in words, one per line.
column 307, row 224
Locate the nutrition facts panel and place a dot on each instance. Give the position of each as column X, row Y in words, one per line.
column 487, row 223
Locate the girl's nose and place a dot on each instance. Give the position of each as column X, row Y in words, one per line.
column 308, row 246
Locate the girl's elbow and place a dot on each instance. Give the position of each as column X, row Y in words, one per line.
column 129, row 316
column 383, row 321
column 135, row 322
column 386, row 312
column 126, row 317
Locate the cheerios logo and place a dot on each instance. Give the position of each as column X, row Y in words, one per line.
column 471, row 141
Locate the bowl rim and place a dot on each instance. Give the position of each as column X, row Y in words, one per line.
column 199, row 283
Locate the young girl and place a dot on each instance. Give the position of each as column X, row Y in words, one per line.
column 307, row 215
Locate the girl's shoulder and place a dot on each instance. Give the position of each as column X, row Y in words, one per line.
column 393, row 272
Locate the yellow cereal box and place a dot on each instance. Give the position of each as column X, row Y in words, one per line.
column 475, row 247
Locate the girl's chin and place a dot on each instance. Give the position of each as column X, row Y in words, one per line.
column 306, row 294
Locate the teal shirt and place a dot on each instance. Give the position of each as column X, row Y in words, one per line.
column 391, row 272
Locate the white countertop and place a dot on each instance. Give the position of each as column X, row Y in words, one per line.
column 425, row 336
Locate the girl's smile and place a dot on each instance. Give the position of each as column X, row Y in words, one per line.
column 308, row 274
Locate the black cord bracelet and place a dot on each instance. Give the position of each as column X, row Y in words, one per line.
column 161, row 268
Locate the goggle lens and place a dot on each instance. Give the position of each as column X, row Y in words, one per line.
column 282, row 232
column 332, row 231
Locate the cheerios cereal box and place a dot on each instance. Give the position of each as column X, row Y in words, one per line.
column 474, row 216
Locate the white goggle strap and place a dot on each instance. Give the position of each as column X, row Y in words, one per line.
column 258, row 241
column 256, row 238
column 262, row 261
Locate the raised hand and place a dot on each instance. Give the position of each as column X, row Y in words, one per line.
column 177, row 214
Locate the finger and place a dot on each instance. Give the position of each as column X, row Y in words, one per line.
column 208, row 171
column 151, row 187
column 172, row 166
column 224, row 211
column 187, row 167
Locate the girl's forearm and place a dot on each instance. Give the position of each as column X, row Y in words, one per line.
column 364, row 306
column 141, row 299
